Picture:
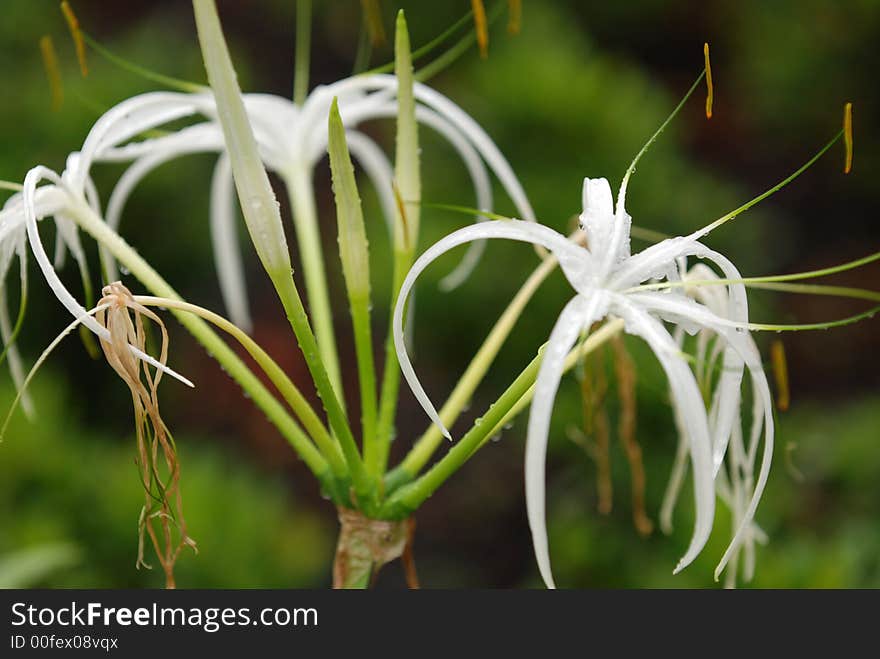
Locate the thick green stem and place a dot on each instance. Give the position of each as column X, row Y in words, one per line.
column 391, row 374
column 289, row 391
column 305, row 220
column 237, row 369
column 296, row 315
column 354, row 254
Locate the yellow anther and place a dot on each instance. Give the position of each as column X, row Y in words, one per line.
column 373, row 18
column 710, row 93
column 848, row 137
column 53, row 73
column 780, row 374
column 78, row 41
column 482, row 27
column 514, row 20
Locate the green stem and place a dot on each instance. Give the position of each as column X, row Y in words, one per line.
column 125, row 254
column 409, row 497
column 302, row 200
column 313, row 425
column 391, row 374
column 303, row 46
column 299, row 321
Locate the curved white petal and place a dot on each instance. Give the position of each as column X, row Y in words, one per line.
column 573, row 259
column 33, row 178
column 742, row 343
column 13, row 358
column 689, row 403
column 125, row 121
column 576, row 317
column 227, row 251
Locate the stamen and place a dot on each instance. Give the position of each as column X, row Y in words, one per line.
column 166, row 81
column 625, row 371
column 514, row 21
column 594, row 386
column 429, row 47
column 482, row 27
column 621, row 195
column 373, row 20
column 780, row 374
column 78, row 41
column 11, row 186
column 761, row 197
column 53, row 73
column 710, row 94
column 848, row 137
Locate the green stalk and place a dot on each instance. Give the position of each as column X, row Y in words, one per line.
column 311, row 253
column 299, row 321
column 263, row 219
column 409, row 497
column 355, row 257
column 225, row 356
column 303, row 46
column 288, row 390
column 408, row 190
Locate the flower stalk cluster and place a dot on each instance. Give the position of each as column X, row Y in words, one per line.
column 673, row 289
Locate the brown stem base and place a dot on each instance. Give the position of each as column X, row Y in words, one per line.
column 365, row 545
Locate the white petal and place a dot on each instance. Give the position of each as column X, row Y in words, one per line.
column 125, row 121
column 597, row 218
column 13, row 358
column 34, row 176
column 573, row 259
column 576, row 317
column 741, row 342
column 227, row 251
column 686, row 397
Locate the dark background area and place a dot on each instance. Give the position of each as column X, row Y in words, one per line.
column 575, row 94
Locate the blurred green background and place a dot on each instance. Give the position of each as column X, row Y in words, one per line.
column 575, row 94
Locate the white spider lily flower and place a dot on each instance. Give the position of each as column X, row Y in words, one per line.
column 292, row 139
column 604, row 277
column 733, row 484
column 19, row 219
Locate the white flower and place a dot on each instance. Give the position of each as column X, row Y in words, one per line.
column 20, row 217
column 733, row 484
column 292, row 139
column 606, row 277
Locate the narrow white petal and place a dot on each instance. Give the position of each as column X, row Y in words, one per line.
column 125, row 121
column 227, row 250
column 742, row 343
column 576, row 317
column 33, row 178
column 686, row 397
column 573, row 258
column 13, row 358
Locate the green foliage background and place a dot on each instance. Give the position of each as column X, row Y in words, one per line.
column 576, row 94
